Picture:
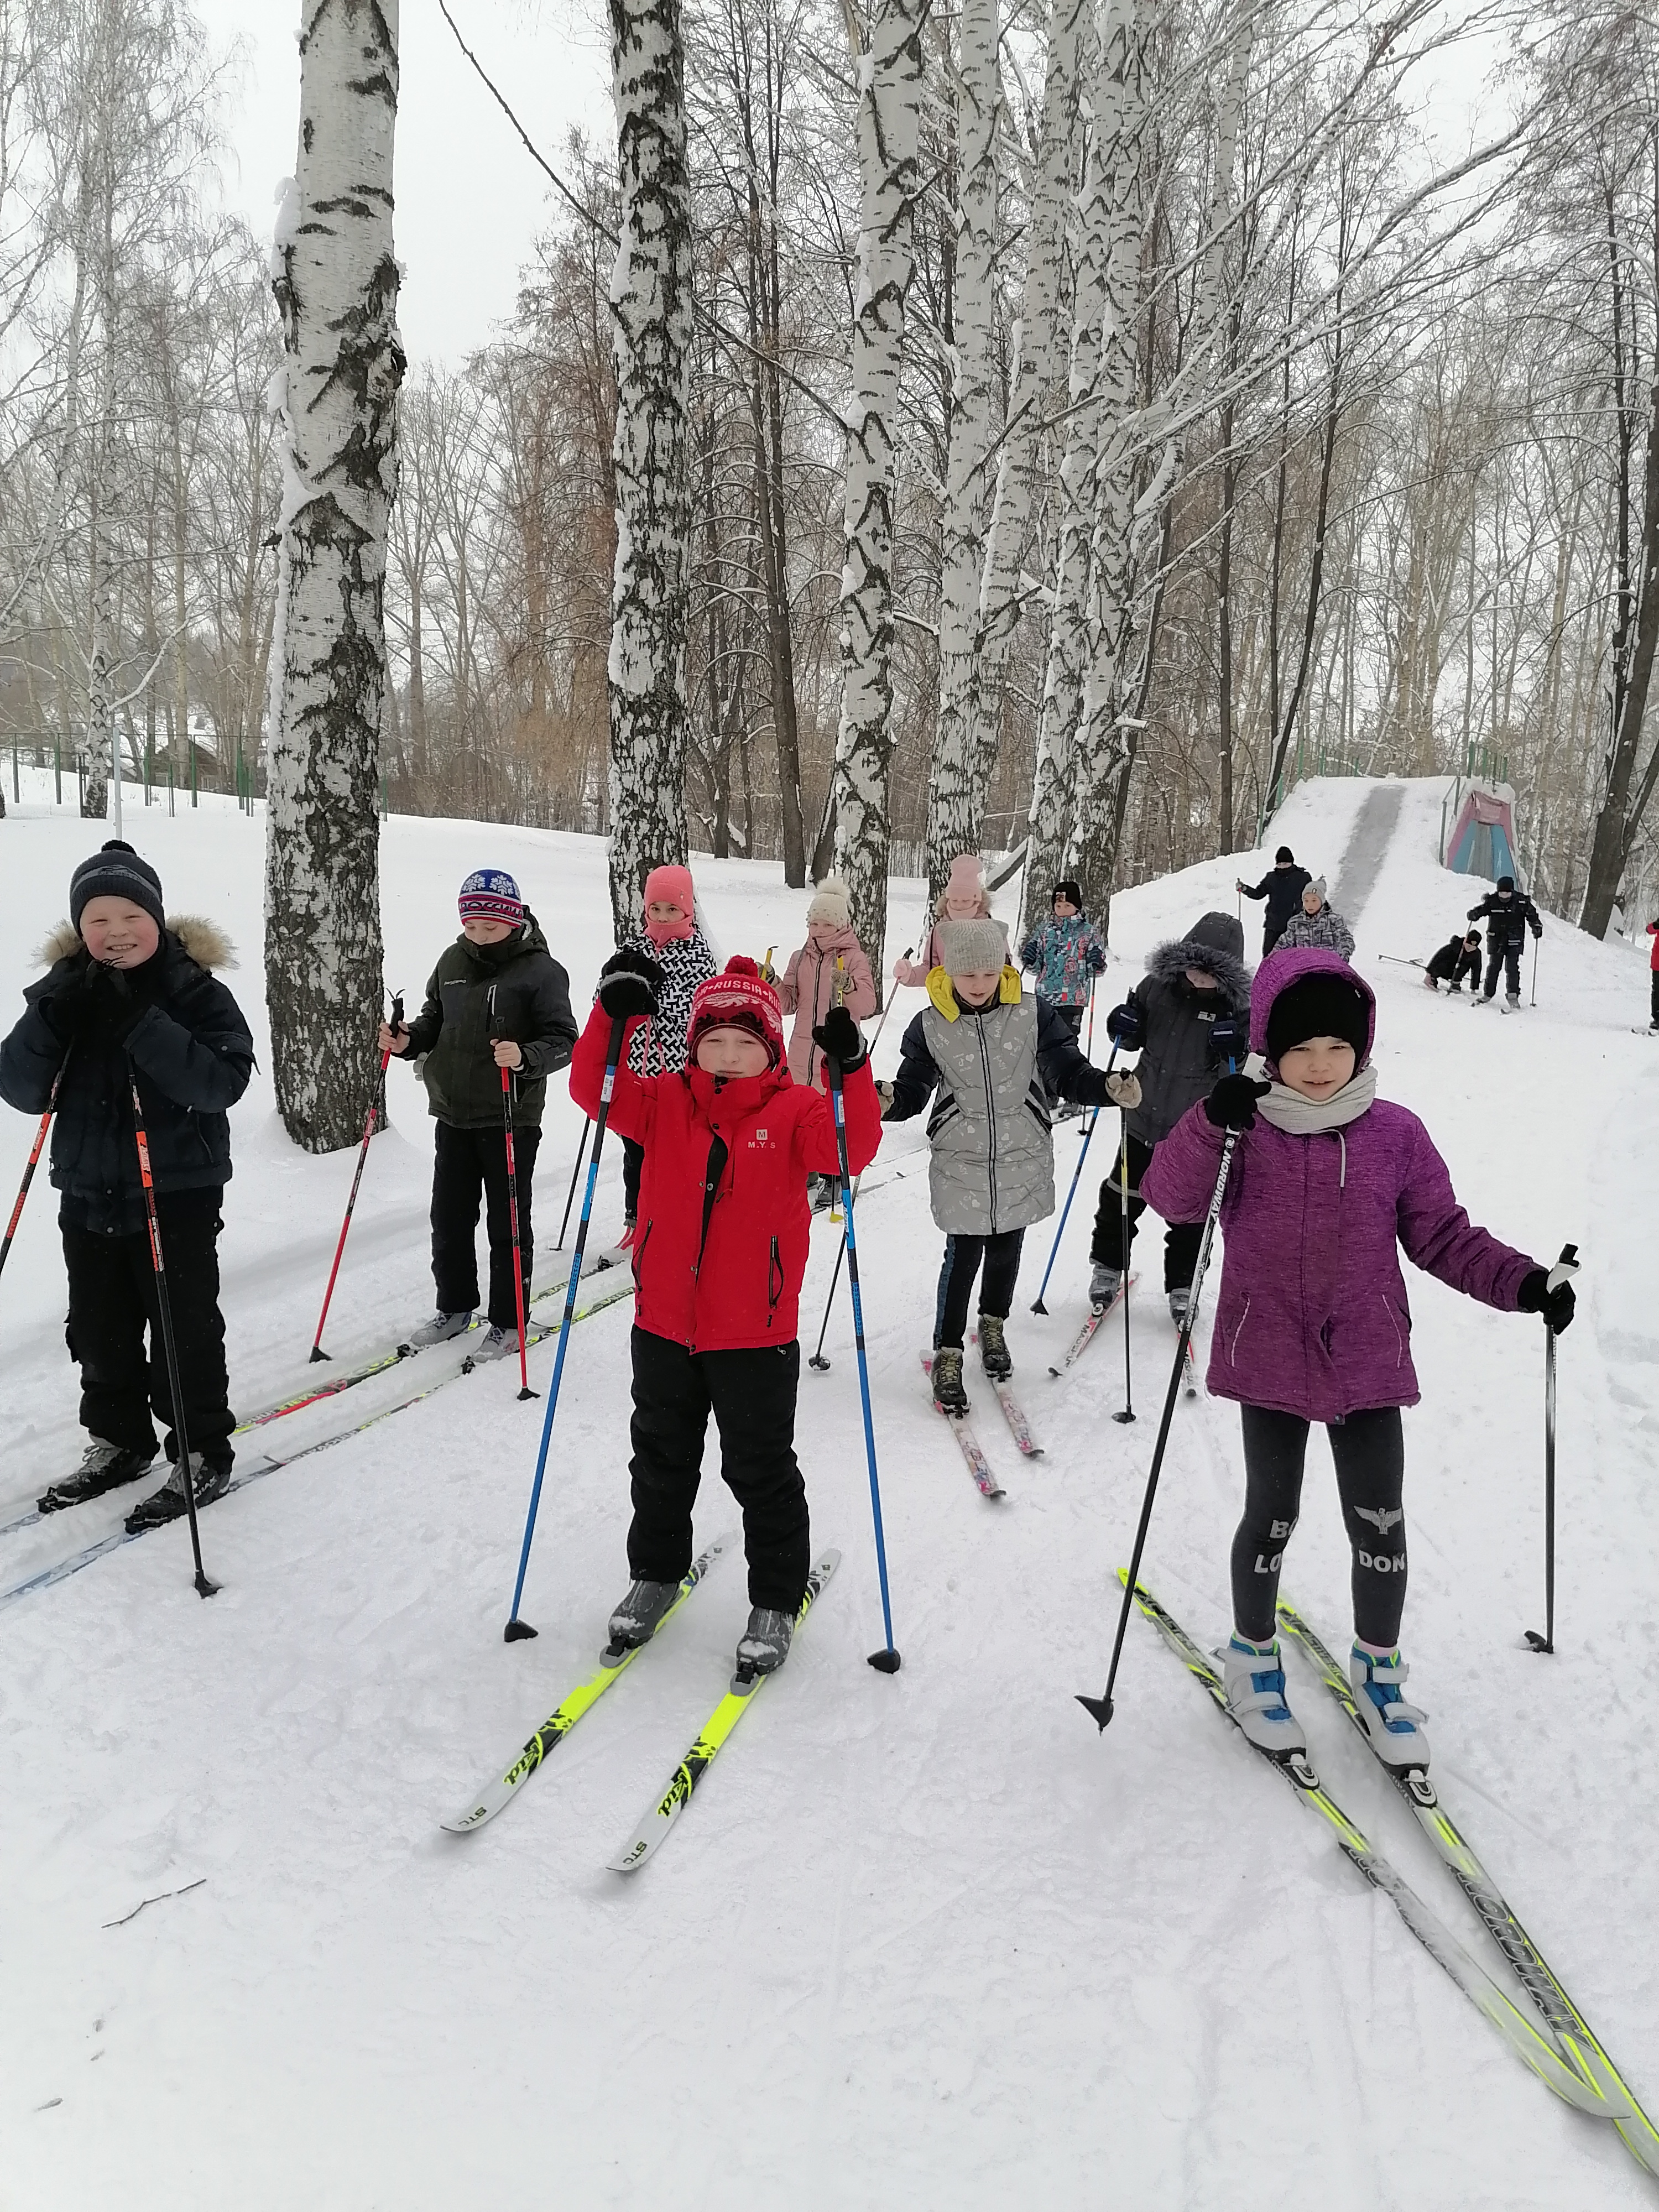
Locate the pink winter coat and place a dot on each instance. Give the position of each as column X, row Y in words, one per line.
column 807, row 990
column 1312, row 1317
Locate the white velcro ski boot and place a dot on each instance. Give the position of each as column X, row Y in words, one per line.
column 1103, row 1282
column 1255, row 1697
column 1396, row 1728
column 441, row 1327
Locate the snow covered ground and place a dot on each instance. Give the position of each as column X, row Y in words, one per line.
column 922, row 1941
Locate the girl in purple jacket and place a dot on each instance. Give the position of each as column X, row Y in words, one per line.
column 1328, row 1182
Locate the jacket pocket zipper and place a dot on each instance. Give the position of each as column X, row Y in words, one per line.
column 773, row 1285
column 1400, row 1357
column 639, row 1252
column 1232, row 1349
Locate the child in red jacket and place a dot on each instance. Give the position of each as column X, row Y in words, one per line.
column 724, row 1227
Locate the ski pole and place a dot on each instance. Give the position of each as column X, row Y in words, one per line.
column 33, row 1160
column 1129, row 1412
column 517, row 1629
column 886, row 1661
column 164, row 1310
column 1535, row 971
column 395, row 1025
column 1037, row 1305
column 570, row 1195
column 1100, row 1709
column 1394, row 960
column 1564, row 1268
column 525, row 1390
column 817, row 1360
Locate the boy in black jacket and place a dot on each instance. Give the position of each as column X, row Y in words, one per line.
column 1282, row 887
column 1458, row 957
column 496, row 999
column 1507, row 914
column 129, row 1000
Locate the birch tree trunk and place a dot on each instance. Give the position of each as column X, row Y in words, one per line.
column 651, row 343
column 335, row 282
column 955, row 796
column 1063, row 673
column 890, row 108
column 1019, row 466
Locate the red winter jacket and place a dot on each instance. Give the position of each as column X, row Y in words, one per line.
column 724, row 1221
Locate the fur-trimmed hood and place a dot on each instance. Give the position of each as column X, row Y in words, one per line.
column 1171, row 960
column 204, row 942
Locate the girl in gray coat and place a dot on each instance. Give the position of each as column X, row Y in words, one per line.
column 995, row 1057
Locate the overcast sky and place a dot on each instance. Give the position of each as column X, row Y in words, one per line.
column 470, row 199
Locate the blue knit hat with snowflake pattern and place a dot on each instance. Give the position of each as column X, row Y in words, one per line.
column 491, row 894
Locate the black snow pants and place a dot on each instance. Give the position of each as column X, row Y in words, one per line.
column 962, row 1256
column 1653, row 1001
column 1109, row 1246
column 751, row 1394
column 1508, row 958
column 112, row 1304
column 1369, row 1451
column 470, row 1162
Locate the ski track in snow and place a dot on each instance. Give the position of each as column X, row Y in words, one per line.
column 926, row 1941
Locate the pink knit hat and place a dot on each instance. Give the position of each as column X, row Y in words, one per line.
column 966, row 883
column 737, row 998
column 672, row 887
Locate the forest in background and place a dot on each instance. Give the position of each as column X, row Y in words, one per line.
column 1343, row 456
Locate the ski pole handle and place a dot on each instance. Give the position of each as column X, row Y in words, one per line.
column 1566, row 1267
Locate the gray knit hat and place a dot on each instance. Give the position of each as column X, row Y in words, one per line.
column 972, row 948
column 1316, row 885
column 117, row 872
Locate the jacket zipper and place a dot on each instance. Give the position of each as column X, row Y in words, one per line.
column 773, row 1285
column 991, row 1118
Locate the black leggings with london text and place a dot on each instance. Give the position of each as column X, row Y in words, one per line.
column 1369, row 1451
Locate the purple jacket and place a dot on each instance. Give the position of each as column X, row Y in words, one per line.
column 1312, row 1318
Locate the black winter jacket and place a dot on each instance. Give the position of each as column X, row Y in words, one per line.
column 1507, row 920
column 1178, row 1065
column 1453, row 961
column 192, row 1053
column 1282, row 887
column 463, row 1082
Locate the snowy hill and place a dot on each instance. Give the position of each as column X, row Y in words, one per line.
column 922, row 1942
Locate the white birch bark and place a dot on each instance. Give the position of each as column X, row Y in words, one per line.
column 955, row 796
column 1066, row 661
column 889, row 105
column 334, row 397
column 1035, row 365
column 651, row 341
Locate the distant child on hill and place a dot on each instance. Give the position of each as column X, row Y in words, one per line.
column 995, row 1056
column 671, row 939
column 1186, row 1018
column 832, row 960
column 130, row 998
column 1066, row 954
column 1458, row 957
column 964, row 898
column 1312, row 1322
column 1282, row 887
column 728, row 1142
column 1507, row 914
column 1316, row 924
column 496, row 999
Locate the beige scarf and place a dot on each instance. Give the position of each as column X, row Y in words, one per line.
column 1297, row 1116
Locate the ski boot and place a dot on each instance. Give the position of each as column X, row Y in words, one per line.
column 764, row 1644
column 439, row 1330
column 640, row 1614
column 993, row 1353
column 1103, row 1282
column 1394, row 1727
column 1179, row 1300
column 169, row 1502
column 497, row 1343
column 1255, row 1697
column 1479, row 999
column 104, row 1467
column 949, row 1396
column 822, row 1193
column 1511, row 1002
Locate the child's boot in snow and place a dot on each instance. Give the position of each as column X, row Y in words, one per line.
column 764, row 1644
column 105, row 1466
column 170, row 1503
column 1394, row 1727
column 1102, row 1283
column 441, row 1327
column 994, row 1354
column 1180, row 1299
column 1255, row 1697
column 948, row 1393
column 640, row 1615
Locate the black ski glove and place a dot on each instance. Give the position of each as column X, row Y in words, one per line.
column 1232, row 1104
column 630, row 984
column 838, row 1037
column 1124, row 1028
column 121, row 997
column 1535, row 1296
column 64, row 1005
